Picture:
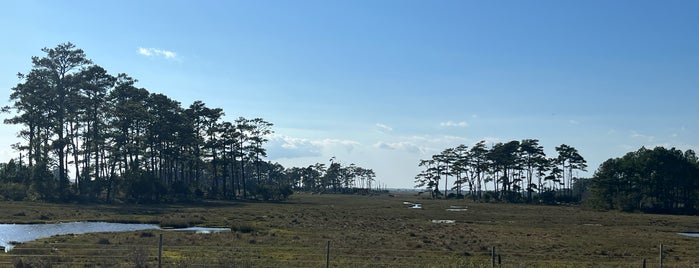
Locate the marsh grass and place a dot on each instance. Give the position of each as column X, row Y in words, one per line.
column 364, row 231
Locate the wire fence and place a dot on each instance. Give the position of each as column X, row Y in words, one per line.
column 57, row 255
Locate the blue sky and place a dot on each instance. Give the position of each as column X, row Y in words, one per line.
column 385, row 83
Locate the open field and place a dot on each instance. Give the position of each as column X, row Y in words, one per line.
column 364, row 231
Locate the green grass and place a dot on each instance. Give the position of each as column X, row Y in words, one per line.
column 364, row 231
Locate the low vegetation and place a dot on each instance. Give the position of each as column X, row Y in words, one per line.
column 364, row 231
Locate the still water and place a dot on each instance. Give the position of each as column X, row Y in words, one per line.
column 689, row 234
column 11, row 233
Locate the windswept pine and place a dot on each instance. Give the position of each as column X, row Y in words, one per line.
column 515, row 169
column 92, row 136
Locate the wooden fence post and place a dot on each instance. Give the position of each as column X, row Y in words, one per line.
column 160, row 252
column 661, row 255
column 327, row 255
column 492, row 256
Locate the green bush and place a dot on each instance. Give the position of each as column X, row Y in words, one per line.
column 13, row 191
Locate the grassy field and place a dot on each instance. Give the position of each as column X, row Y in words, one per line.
column 364, row 231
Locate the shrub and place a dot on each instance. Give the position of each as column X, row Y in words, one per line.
column 147, row 234
column 13, row 191
column 243, row 229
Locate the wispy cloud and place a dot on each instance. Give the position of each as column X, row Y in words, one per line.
column 404, row 145
column 290, row 147
column 454, row 124
column 682, row 131
column 280, row 146
column 383, row 128
column 155, row 52
column 647, row 138
column 348, row 145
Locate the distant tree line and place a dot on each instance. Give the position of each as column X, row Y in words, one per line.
column 657, row 180
column 520, row 171
column 91, row 136
column 334, row 178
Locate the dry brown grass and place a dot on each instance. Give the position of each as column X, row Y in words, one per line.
column 365, row 231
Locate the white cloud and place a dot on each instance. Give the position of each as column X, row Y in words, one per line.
column 384, row 128
column 290, row 147
column 454, row 124
column 647, row 138
column 403, row 145
column 149, row 52
column 573, row 122
column 145, row 52
column 349, row 145
column 280, row 146
column 422, row 144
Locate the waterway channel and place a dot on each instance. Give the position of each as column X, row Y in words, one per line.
column 19, row 233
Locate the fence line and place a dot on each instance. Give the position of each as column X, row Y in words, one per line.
column 65, row 254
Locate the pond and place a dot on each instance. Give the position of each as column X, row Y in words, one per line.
column 689, row 234
column 18, row 233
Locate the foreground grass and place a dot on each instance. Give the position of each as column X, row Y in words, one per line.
column 364, row 231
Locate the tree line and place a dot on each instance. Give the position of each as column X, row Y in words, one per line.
column 520, row 171
column 334, row 178
column 89, row 135
column 657, row 180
